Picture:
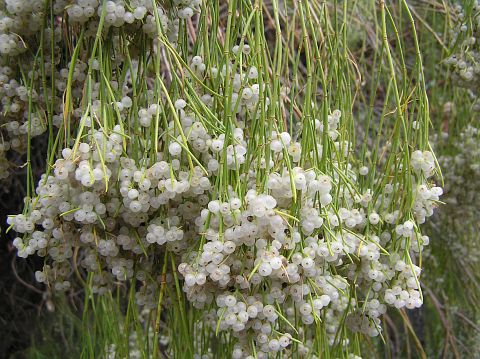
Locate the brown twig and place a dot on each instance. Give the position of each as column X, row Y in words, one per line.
column 15, row 273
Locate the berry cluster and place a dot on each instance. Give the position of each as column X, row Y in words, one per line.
column 273, row 229
column 465, row 39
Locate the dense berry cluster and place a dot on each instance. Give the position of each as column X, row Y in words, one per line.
column 255, row 255
column 270, row 227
